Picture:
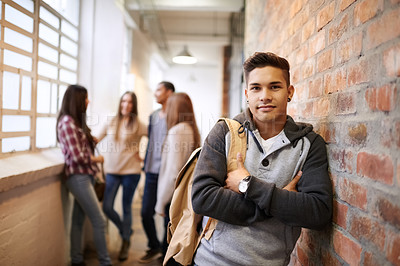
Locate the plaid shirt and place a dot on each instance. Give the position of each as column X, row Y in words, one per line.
column 75, row 148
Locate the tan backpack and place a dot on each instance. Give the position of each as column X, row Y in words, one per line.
column 183, row 236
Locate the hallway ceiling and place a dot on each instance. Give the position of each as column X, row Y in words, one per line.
column 199, row 24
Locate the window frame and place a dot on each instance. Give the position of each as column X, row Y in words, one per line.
column 34, row 74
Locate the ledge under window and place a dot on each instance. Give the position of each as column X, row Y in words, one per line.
column 20, row 170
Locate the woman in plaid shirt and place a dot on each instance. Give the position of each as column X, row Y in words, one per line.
column 77, row 145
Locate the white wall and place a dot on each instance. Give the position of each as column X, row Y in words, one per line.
column 203, row 83
column 101, row 56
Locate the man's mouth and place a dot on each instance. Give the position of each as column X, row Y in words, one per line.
column 267, row 107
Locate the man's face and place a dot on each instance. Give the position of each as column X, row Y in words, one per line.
column 267, row 94
column 161, row 94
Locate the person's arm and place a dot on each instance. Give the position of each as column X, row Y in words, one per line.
column 102, row 133
column 311, row 206
column 209, row 197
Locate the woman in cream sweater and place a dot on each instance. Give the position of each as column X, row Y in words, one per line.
column 182, row 139
column 122, row 164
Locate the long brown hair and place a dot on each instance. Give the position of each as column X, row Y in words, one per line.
column 180, row 109
column 74, row 105
column 132, row 114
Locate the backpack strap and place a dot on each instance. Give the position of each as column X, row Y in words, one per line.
column 238, row 143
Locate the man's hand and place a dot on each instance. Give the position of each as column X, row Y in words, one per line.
column 292, row 185
column 234, row 177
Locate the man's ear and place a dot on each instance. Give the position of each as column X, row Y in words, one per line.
column 290, row 91
column 245, row 94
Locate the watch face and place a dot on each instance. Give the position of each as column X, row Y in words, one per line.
column 243, row 186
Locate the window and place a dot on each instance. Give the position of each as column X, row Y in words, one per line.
column 38, row 60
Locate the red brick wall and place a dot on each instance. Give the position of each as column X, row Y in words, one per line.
column 345, row 66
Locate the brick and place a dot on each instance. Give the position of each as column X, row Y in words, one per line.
column 363, row 227
column 370, row 260
column 349, row 48
column 398, row 174
column 315, row 5
column 359, row 73
column 382, row 99
column 302, row 256
column 366, row 10
column 345, row 4
column 321, row 107
column 328, row 259
column 297, row 22
column 307, row 109
column 308, row 30
column 386, row 97
column 341, row 160
column 317, row 43
column 340, row 214
column 296, row 75
column 354, row 194
column 384, row 29
column 296, row 7
column 308, row 241
column 389, row 132
column 325, row 15
column 335, row 81
column 295, row 42
column 327, row 132
column 376, row 167
column 325, row 60
column 347, row 249
column 308, row 68
column 299, row 92
column 315, row 88
column 301, row 54
column 346, row 103
column 391, row 61
column 389, row 212
column 393, row 251
column 337, row 30
column 370, row 98
column 334, row 179
column 292, row 111
column 358, row 133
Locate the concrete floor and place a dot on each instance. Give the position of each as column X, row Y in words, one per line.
column 138, row 241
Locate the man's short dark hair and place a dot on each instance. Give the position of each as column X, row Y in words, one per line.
column 168, row 85
column 260, row 59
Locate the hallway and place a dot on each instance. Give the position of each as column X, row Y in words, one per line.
column 138, row 240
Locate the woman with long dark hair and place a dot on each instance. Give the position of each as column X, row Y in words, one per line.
column 182, row 139
column 122, row 164
column 77, row 145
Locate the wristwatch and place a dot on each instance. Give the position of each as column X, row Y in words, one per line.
column 244, row 184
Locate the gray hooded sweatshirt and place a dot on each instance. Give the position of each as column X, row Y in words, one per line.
column 262, row 226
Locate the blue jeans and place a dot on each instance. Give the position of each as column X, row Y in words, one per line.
column 86, row 203
column 129, row 183
column 148, row 204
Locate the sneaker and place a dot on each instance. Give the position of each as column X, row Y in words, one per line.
column 123, row 253
column 151, row 255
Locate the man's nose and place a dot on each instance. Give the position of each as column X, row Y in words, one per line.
column 265, row 95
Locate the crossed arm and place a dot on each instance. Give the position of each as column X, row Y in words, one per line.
column 212, row 195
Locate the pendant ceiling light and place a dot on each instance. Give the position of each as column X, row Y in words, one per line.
column 184, row 57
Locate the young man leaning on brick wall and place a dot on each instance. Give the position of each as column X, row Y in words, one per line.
column 282, row 186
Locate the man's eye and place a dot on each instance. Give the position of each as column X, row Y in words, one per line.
column 275, row 87
column 255, row 88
